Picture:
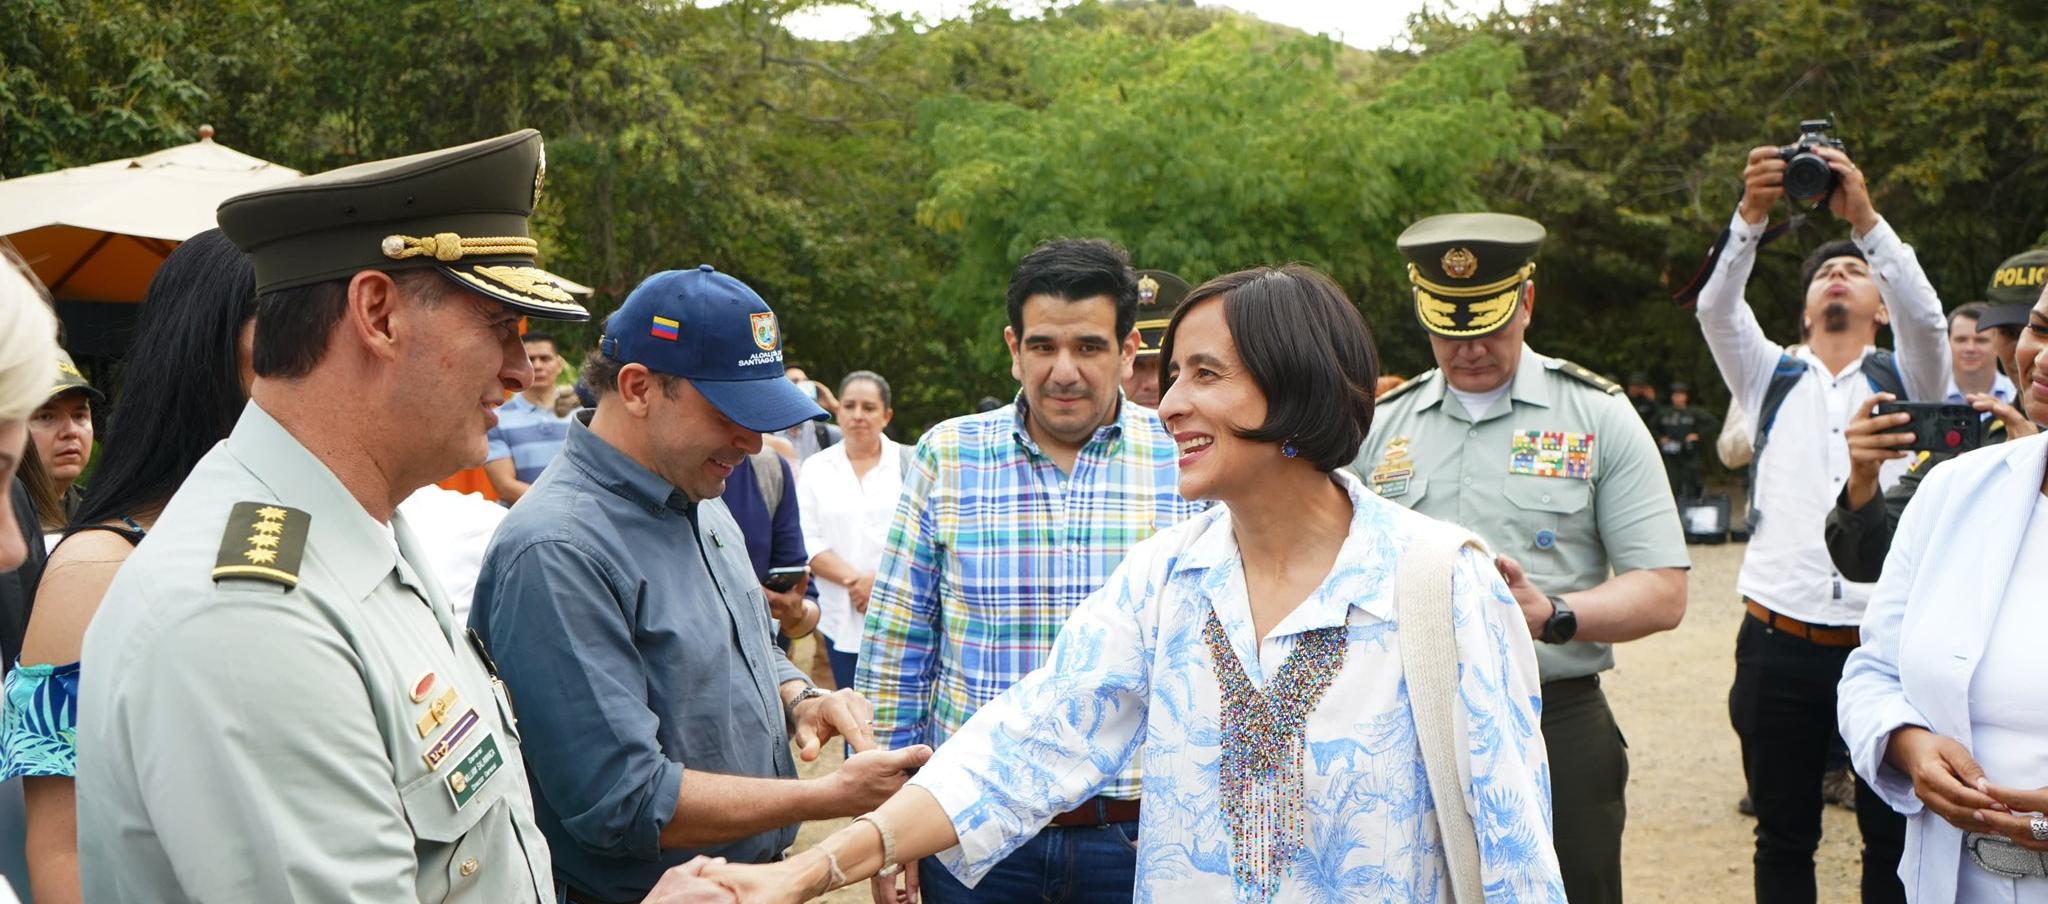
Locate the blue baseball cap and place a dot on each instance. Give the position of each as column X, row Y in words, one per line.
column 710, row 329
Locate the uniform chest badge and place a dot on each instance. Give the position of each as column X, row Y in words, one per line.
column 1551, row 453
column 1390, row 478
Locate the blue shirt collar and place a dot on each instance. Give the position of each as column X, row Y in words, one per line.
column 618, row 473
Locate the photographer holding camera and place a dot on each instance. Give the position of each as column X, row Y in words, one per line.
column 1803, row 613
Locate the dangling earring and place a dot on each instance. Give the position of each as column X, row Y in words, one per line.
column 1287, row 448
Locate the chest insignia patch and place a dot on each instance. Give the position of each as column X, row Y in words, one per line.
column 476, row 768
column 451, row 739
column 1395, row 470
column 1551, row 453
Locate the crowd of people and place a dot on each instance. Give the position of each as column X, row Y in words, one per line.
column 1210, row 609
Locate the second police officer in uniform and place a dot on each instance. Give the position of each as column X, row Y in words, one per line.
column 1549, row 464
column 283, row 706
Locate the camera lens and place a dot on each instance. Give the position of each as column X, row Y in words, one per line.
column 1807, row 177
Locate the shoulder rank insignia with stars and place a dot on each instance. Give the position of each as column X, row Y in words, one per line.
column 264, row 541
column 1583, row 375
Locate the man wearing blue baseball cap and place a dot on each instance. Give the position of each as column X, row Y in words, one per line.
column 620, row 603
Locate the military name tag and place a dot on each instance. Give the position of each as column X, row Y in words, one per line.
column 451, row 739
column 476, row 768
column 1551, row 453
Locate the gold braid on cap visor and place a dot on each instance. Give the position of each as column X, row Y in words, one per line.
column 1497, row 304
column 448, row 247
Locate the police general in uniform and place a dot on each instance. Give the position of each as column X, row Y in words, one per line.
column 282, row 706
column 1550, row 464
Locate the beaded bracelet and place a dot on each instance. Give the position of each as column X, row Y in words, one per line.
column 889, row 865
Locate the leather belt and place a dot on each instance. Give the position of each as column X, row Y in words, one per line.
column 1819, row 635
column 1098, row 811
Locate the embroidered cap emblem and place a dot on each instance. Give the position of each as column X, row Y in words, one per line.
column 1460, row 263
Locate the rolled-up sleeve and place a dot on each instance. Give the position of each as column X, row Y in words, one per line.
column 1508, row 791
column 550, row 612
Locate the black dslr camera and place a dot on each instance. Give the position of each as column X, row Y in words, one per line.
column 1807, row 176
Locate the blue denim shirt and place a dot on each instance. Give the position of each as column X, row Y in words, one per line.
column 634, row 636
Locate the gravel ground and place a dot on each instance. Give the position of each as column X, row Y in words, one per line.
column 1685, row 840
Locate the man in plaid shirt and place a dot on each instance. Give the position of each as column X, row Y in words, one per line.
column 1009, row 519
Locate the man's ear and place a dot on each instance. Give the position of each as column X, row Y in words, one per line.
column 636, row 386
column 368, row 319
column 1884, row 315
column 1016, row 358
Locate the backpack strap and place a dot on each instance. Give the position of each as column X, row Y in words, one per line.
column 1881, row 368
column 1429, row 666
column 1786, row 376
column 768, row 472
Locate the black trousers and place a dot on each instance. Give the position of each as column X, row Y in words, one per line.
column 1783, row 709
column 1588, row 784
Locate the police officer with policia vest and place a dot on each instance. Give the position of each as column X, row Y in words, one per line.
column 1803, row 612
column 1551, row 465
column 282, row 706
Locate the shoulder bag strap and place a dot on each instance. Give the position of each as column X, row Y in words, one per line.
column 1429, row 663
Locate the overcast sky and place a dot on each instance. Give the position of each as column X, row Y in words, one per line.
column 1367, row 24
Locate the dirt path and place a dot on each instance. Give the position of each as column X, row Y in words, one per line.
column 1686, row 842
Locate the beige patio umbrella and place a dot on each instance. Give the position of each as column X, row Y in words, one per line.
column 97, row 233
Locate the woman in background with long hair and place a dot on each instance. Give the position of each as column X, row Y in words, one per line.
column 186, row 382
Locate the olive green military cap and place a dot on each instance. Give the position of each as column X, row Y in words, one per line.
column 2018, row 280
column 1159, row 292
column 461, row 210
column 69, row 378
column 1468, row 270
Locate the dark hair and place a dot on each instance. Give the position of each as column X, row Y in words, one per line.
column 42, row 492
column 294, row 325
column 1307, row 348
column 600, row 375
column 183, row 390
column 987, row 404
column 1076, row 270
column 538, row 336
column 1827, row 252
column 869, row 376
column 1974, row 311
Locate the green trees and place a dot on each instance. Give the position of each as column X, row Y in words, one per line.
column 877, row 191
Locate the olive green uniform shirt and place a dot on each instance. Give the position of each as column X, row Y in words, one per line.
column 240, row 740
column 1560, row 474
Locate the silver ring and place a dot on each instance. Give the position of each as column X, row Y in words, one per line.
column 2039, row 826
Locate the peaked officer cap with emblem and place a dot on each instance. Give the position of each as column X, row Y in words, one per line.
column 1468, row 270
column 461, row 210
column 1159, row 292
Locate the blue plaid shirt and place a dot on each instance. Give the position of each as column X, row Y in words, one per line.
column 992, row 548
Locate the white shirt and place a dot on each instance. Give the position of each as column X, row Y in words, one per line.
column 847, row 516
column 1131, row 675
column 2006, row 716
column 453, row 530
column 1804, row 465
column 1477, row 404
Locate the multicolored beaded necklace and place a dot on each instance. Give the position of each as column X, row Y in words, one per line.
column 1263, row 747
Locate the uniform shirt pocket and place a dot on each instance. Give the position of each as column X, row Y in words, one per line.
column 1543, row 511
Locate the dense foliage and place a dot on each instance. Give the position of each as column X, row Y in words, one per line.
column 876, row 191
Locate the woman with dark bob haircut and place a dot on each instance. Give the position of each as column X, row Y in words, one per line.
column 187, row 380
column 1296, row 730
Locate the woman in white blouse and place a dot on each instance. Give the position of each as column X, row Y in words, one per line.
column 1252, row 656
column 846, row 496
column 1943, row 705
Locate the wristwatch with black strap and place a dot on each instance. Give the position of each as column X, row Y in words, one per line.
column 1563, row 623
